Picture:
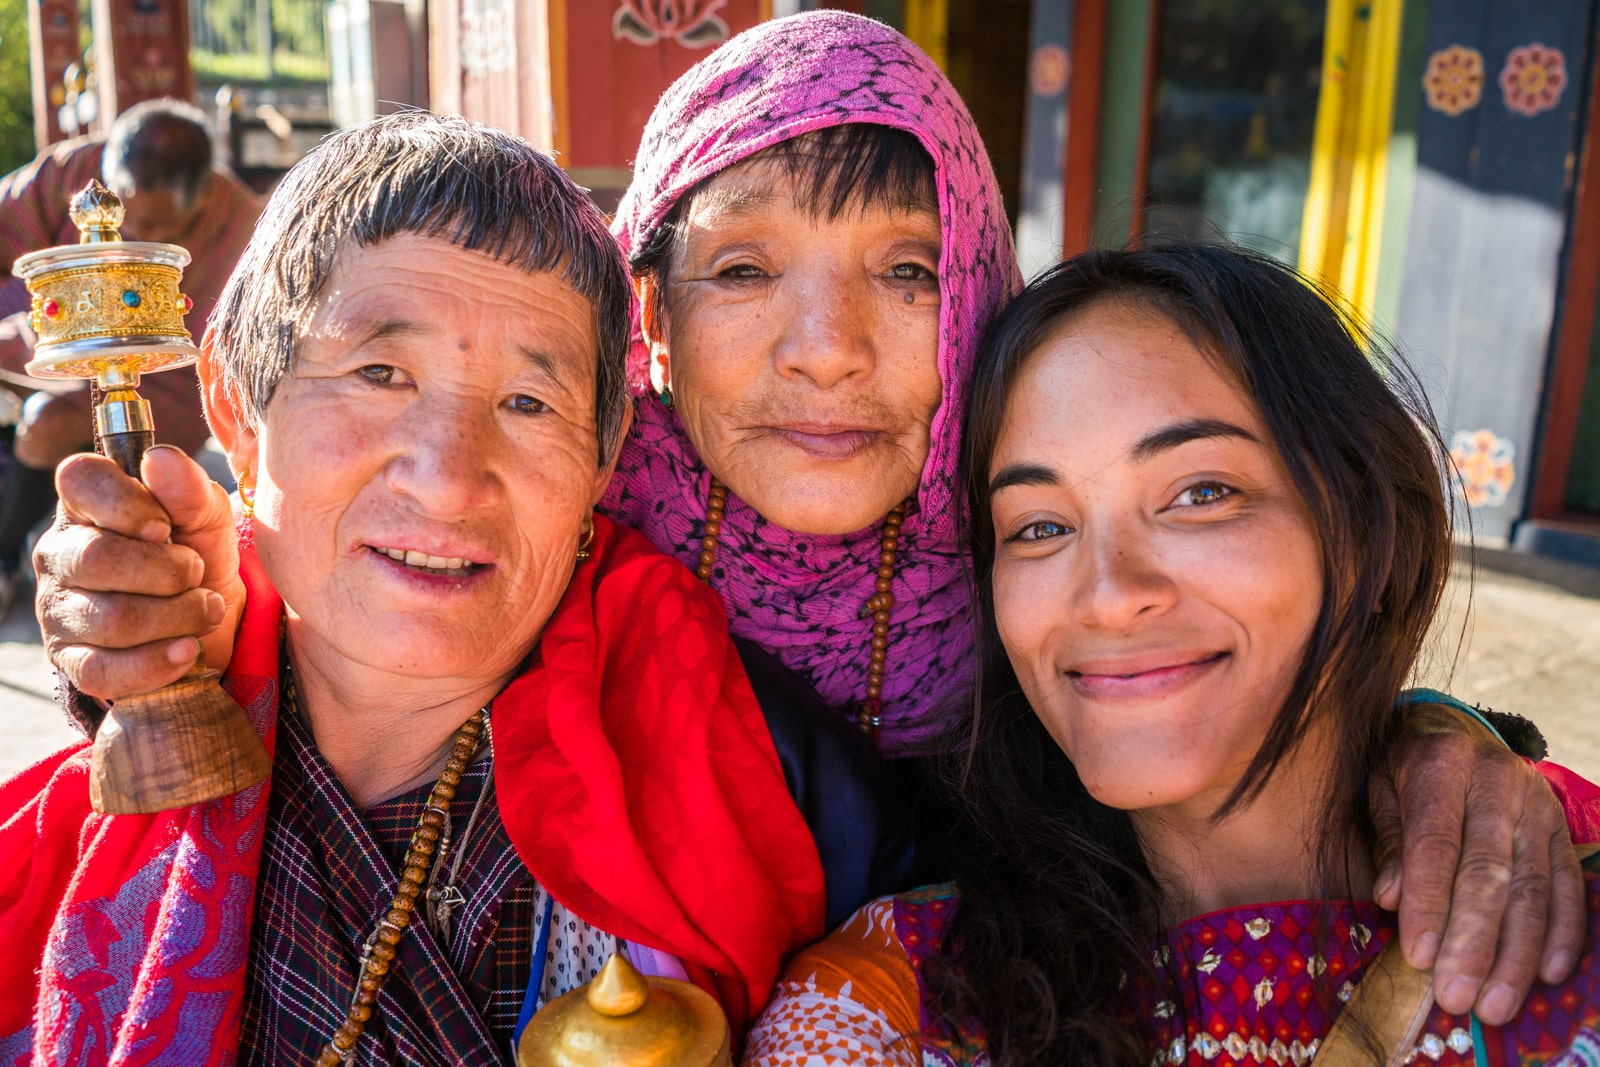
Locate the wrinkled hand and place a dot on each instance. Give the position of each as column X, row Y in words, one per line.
column 123, row 609
column 1473, row 852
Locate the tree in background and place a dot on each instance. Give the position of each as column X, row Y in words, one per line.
column 16, row 100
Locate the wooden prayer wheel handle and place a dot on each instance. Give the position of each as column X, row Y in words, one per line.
column 186, row 742
column 182, row 744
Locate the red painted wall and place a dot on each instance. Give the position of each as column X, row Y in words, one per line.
column 616, row 71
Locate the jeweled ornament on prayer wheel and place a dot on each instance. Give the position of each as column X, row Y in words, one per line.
column 623, row 1019
column 109, row 310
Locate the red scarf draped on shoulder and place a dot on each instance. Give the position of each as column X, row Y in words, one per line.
column 637, row 782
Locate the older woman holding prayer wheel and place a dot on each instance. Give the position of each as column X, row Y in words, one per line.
column 819, row 242
column 509, row 738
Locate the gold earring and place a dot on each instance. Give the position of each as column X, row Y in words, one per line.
column 588, row 539
column 247, row 496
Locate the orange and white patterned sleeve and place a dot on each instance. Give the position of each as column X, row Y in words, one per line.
column 849, row 999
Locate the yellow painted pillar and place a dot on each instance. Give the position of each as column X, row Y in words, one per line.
column 928, row 26
column 1342, row 230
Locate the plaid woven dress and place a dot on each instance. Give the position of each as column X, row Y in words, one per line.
column 328, row 873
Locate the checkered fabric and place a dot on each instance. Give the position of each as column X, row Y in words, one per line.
column 328, row 873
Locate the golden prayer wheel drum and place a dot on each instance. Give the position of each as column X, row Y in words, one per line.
column 623, row 1019
column 109, row 310
column 105, row 304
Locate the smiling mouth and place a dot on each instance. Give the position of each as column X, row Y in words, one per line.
column 829, row 442
column 1146, row 681
column 442, row 566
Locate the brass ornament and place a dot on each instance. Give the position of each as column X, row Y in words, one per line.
column 106, row 309
column 586, row 544
column 624, row 1019
column 113, row 300
column 110, row 310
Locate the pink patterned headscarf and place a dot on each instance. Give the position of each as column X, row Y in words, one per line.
column 801, row 596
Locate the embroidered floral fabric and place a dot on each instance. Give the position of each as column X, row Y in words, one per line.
column 798, row 596
column 1253, row 986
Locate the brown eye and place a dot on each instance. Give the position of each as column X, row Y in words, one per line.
column 378, row 373
column 1041, row 531
column 1202, row 494
column 524, row 404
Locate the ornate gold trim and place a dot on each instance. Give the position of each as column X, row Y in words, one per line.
column 93, row 302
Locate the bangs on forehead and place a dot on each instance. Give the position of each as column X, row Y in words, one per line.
column 479, row 188
column 854, row 166
column 833, row 171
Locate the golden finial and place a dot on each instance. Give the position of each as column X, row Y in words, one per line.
column 97, row 212
column 618, row 989
column 623, row 1019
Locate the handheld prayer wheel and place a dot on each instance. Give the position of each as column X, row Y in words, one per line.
column 623, row 1019
column 109, row 310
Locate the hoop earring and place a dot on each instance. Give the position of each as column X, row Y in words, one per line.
column 247, row 497
column 588, row 539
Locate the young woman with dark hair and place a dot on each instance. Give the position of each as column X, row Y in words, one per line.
column 1210, row 532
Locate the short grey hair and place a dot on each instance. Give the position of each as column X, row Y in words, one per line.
column 158, row 144
column 482, row 189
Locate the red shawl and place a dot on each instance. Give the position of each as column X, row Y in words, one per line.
column 640, row 787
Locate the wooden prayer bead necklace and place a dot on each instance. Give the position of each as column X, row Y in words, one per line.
column 379, row 957
column 869, row 712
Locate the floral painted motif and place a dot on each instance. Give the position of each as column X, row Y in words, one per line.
column 1048, row 70
column 1533, row 79
column 692, row 23
column 1454, row 79
column 1485, row 468
column 488, row 36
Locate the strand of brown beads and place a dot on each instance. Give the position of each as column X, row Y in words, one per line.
column 716, row 501
column 376, row 964
column 869, row 713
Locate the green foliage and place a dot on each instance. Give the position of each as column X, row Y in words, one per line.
column 298, row 30
column 228, row 44
column 16, row 97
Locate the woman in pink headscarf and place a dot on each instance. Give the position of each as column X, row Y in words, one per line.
column 820, row 241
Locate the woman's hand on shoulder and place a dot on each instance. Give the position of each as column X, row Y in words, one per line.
column 1473, row 852
column 135, row 579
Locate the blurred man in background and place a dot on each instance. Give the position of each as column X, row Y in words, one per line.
column 158, row 159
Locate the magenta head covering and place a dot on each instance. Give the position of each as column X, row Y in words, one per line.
column 797, row 595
